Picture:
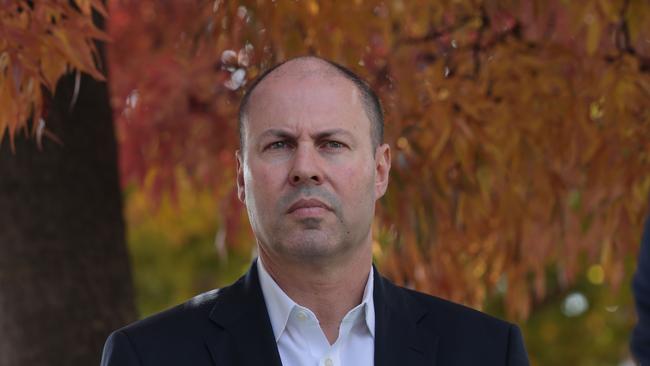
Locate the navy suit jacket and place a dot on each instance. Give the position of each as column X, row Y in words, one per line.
column 231, row 326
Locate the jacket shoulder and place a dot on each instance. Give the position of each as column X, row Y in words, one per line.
column 445, row 311
column 167, row 337
column 492, row 341
column 176, row 318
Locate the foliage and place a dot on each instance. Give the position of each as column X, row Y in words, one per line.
column 598, row 337
column 520, row 129
column 40, row 42
column 176, row 255
column 173, row 247
column 506, row 119
column 594, row 332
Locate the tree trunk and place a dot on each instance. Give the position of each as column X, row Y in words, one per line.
column 65, row 281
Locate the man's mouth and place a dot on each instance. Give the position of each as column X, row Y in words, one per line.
column 310, row 205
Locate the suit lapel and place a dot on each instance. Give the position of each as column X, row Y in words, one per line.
column 247, row 336
column 398, row 340
column 241, row 312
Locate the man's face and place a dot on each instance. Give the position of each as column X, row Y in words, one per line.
column 309, row 176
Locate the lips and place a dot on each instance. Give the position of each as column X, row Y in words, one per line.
column 308, row 203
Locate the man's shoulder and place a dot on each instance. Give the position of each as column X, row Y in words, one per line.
column 176, row 320
column 458, row 328
column 445, row 314
column 174, row 336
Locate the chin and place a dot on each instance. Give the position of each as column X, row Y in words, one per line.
column 310, row 246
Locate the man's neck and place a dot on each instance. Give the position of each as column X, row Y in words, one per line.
column 330, row 290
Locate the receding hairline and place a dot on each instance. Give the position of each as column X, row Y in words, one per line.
column 307, row 66
column 310, row 66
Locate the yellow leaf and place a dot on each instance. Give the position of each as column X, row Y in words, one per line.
column 593, row 33
column 78, row 53
column 637, row 16
column 313, row 7
column 610, row 11
column 100, row 7
column 52, row 67
column 442, row 142
column 84, row 6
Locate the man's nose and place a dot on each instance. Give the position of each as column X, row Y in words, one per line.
column 306, row 166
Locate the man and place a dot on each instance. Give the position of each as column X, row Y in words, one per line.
column 310, row 170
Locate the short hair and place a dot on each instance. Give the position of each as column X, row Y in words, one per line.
column 371, row 103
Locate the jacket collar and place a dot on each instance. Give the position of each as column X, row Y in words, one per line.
column 241, row 312
column 399, row 339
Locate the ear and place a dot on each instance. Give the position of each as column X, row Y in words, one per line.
column 382, row 169
column 241, row 192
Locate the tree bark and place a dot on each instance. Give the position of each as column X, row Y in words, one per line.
column 65, row 280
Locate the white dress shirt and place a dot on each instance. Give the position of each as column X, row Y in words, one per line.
column 300, row 339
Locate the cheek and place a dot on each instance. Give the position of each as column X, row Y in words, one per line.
column 356, row 183
column 262, row 185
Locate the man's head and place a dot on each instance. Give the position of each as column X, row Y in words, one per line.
column 311, row 166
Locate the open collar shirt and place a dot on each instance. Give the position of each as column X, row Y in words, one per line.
column 300, row 339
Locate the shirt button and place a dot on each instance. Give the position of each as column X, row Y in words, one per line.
column 302, row 316
column 329, row 362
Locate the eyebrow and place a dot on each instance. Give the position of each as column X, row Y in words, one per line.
column 317, row 136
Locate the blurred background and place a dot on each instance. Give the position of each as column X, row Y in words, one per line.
column 520, row 132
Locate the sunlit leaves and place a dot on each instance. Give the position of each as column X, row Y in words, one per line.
column 520, row 129
column 42, row 40
column 174, row 70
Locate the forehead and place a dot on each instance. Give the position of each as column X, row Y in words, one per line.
column 305, row 99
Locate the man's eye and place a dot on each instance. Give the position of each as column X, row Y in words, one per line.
column 334, row 145
column 277, row 145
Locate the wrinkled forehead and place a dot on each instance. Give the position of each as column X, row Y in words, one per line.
column 302, row 68
column 319, row 96
column 301, row 75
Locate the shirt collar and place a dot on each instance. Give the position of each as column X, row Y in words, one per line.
column 279, row 305
column 369, row 302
